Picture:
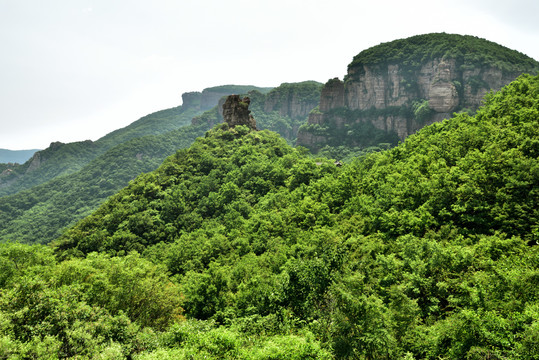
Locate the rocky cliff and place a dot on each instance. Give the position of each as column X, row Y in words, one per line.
column 397, row 88
column 207, row 98
column 236, row 112
column 283, row 109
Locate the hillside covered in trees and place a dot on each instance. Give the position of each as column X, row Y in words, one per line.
column 63, row 159
column 242, row 247
column 82, row 175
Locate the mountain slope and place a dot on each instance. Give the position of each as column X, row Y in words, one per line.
column 394, row 89
column 417, row 251
column 63, row 159
column 15, row 156
column 224, row 173
column 39, row 214
column 422, row 251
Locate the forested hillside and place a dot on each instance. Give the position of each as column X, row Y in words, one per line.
column 242, row 247
column 63, row 159
column 65, row 182
column 40, row 214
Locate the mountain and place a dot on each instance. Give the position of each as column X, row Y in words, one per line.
column 41, row 213
column 240, row 246
column 63, row 159
column 15, row 156
column 65, row 182
column 394, row 89
column 283, row 109
column 427, row 250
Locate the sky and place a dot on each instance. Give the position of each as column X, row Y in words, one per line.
column 72, row 70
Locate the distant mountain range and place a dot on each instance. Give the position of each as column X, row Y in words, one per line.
column 16, row 156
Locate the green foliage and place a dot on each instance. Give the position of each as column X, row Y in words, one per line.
column 421, row 110
column 423, row 251
column 223, row 172
column 193, row 339
column 40, row 214
column 81, row 308
column 469, row 51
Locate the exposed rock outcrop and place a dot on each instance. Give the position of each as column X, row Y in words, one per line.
column 236, row 112
column 388, row 93
column 283, row 109
column 36, row 162
column 293, row 100
column 191, row 100
column 332, row 95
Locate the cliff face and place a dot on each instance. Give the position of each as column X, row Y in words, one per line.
column 445, row 86
column 403, row 95
column 283, row 109
column 236, row 112
column 293, row 100
column 207, row 99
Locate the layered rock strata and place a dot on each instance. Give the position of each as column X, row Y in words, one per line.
column 401, row 97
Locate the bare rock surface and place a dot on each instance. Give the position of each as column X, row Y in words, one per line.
column 236, row 112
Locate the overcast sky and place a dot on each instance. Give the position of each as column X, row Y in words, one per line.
column 72, row 70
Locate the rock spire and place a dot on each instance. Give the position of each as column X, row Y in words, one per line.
column 236, row 112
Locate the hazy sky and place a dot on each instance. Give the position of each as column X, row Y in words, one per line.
column 72, row 70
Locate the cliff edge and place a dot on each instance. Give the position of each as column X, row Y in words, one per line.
column 394, row 89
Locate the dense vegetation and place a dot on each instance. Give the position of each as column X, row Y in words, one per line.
column 39, row 214
column 242, row 247
column 57, row 160
column 469, row 51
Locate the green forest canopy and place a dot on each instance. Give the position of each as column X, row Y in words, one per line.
column 466, row 49
column 242, row 247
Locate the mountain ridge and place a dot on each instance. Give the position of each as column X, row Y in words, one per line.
column 241, row 246
column 16, row 156
column 423, row 250
column 401, row 86
column 63, row 159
